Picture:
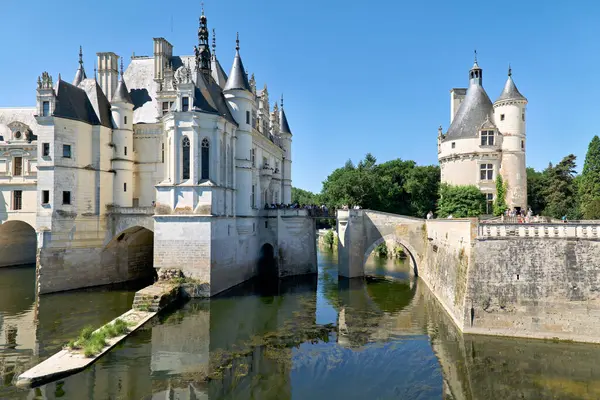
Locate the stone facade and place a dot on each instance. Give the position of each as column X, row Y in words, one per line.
column 167, row 163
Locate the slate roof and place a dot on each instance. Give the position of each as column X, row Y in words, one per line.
column 143, row 89
column 79, row 76
column 510, row 91
column 86, row 103
column 285, row 127
column 472, row 113
column 238, row 80
column 217, row 72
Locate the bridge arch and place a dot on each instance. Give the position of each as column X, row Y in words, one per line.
column 131, row 252
column 410, row 250
column 18, row 243
column 267, row 262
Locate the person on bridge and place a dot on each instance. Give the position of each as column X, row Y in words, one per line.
column 430, row 215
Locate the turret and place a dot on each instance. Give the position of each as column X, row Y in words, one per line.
column 122, row 161
column 286, row 138
column 509, row 115
column 241, row 102
column 46, row 97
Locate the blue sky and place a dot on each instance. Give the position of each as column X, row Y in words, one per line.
column 358, row 77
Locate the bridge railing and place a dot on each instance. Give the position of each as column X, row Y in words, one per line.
column 542, row 230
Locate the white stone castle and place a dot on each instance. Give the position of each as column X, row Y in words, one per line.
column 486, row 139
column 189, row 154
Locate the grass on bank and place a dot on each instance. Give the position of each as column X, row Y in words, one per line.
column 92, row 343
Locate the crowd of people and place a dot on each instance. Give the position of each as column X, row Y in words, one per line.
column 313, row 210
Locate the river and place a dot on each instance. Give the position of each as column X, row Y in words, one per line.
column 384, row 337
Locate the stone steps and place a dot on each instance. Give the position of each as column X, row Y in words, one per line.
column 154, row 298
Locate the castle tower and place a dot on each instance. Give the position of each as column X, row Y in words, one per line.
column 286, row 138
column 122, row 162
column 509, row 115
column 241, row 100
column 80, row 74
column 108, row 73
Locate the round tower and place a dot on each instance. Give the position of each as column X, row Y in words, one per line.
column 509, row 116
column 122, row 161
column 241, row 103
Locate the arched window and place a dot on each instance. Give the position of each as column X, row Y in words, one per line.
column 185, row 155
column 205, row 158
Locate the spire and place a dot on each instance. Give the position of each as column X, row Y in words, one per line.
column 476, row 73
column 237, row 41
column 202, row 51
column 238, row 80
column 80, row 74
column 214, row 44
column 510, row 91
column 122, row 93
column 283, row 122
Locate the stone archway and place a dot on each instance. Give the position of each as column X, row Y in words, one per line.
column 131, row 252
column 409, row 250
column 18, row 244
column 267, row 262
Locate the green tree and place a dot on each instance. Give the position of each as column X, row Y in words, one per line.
column 560, row 189
column 423, row 184
column 301, row 196
column 589, row 182
column 500, row 202
column 460, row 201
column 536, row 183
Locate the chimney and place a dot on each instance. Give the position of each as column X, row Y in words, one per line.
column 108, row 73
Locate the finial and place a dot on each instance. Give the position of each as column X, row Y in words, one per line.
column 80, row 56
column 214, row 46
column 121, row 67
column 237, row 41
column 95, row 76
column 509, row 70
column 59, row 77
column 202, row 8
column 475, row 56
column 281, row 100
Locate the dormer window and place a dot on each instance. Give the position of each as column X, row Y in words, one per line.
column 487, row 138
column 185, row 104
column 45, row 108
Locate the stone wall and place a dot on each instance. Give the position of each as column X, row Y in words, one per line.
column 536, row 287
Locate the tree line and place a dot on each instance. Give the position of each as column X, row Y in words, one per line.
column 403, row 187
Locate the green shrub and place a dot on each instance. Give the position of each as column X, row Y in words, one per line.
column 381, row 250
column 399, row 252
column 329, row 238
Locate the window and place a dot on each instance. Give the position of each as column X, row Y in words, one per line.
column 486, row 172
column 45, row 149
column 66, row 150
column 165, row 107
column 253, row 197
column 501, row 117
column 523, row 116
column 125, row 150
column 453, row 145
column 18, row 135
column 45, row 196
column 253, row 157
column 487, row 138
column 18, row 166
column 124, row 186
column 186, row 158
column 248, row 117
column 205, row 159
column 125, row 120
column 522, row 145
column 489, row 203
column 162, row 156
column 17, row 199
column 66, row 197
column 45, row 109
column 185, row 104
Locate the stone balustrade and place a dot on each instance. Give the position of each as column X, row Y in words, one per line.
column 580, row 230
column 285, row 212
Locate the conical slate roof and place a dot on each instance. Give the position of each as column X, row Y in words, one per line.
column 122, row 93
column 284, row 126
column 217, row 72
column 510, row 91
column 472, row 113
column 237, row 77
column 79, row 76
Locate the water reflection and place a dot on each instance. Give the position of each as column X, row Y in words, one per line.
column 381, row 337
